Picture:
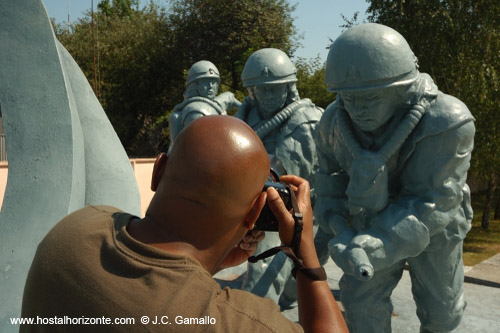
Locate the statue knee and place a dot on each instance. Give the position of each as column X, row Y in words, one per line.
column 441, row 317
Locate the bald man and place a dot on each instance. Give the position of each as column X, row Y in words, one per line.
column 99, row 264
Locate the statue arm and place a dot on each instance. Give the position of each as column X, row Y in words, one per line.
column 228, row 101
column 301, row 147
column 191, row 117
column 330, row 183
column 195, row 110
column 242, row 112
column 431, row 197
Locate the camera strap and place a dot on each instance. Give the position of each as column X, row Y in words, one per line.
column 292, row 251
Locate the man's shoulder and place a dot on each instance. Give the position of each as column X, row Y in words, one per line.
column 243, row 309
column 324, row 133
column 329, row 114
column 201, row 105
column 90, row 214
column 447, row 122
column 306, row 113
column 445, row 113
column 91, row 219
column 73, row 241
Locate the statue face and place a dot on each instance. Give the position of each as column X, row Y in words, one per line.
column 371, row 109
column 208, row 87
column 270, row 98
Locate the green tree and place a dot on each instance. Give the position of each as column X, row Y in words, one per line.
column 137, row 77
column 118, row 7
column 311, row 81
column 227, row 32
column 142, row 55
column 458, row 43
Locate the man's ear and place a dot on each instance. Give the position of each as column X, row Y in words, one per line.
column 254, row 212
column 158, row 170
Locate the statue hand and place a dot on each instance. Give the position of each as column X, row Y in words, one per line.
column 337, row 248
column 236, row 103
column 374, row 249
column 228, row 101
column 358, row 254
column 367, row 242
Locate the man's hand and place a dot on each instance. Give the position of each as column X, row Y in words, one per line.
column 286, row 222
column 243, row 250
column 318, row 311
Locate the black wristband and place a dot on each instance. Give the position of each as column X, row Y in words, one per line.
column 315, row 274
column 292, row 251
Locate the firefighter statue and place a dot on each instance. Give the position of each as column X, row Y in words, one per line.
column 393, row 156
column 200, row 97
column 285, row 123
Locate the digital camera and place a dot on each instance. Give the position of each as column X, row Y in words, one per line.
column 267, row 221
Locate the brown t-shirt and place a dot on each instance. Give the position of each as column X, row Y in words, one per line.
column 88, row 269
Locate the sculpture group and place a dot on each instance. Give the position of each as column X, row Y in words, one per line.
column 388, row 162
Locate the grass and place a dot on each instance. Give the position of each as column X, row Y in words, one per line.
column 481, row 244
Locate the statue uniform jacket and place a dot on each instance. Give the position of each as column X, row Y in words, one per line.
column 428, row 199
column 190, row 109
column 89, row 266
column 289, row 135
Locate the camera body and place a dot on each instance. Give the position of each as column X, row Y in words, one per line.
column 267, row 221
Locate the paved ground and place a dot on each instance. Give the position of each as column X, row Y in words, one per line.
column 482, row 292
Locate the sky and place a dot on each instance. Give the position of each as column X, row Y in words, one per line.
column 317, row 20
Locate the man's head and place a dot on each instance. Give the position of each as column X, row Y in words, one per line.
column 370, row 66
column 270, row 77
column 203, row 80
column 212, row 179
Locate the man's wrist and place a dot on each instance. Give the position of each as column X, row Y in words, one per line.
column 313, row 274
column 308, row 255
column 308, row 263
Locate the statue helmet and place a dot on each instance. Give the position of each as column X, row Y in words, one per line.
column 268, row 66
column 369, row 56
column 202, row 69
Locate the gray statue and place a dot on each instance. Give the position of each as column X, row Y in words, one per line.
column 63, row 151
column 393, row 154
column 285, row 124
column 200, row 97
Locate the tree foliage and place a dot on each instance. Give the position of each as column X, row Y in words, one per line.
column 118, row 7
column 134, row 76
column 311, row 81
column 138, row 58
column 227, row 32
